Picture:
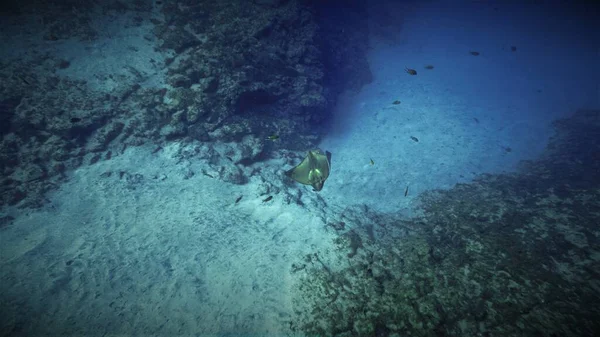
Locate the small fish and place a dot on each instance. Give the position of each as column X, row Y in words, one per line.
column 238, row 199
column 410, row 71
column 206, row 174
column 414, row 138
column 272, row 137
column 476, row 120
column 474, row 53
column 513, row 48
column 406, row 191
column 396, row 102
column 75, row 119
column 24, row 80
column 429, row 67
column 372, row 162
column 268, row 198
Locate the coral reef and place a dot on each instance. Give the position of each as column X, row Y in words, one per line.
column 510, row 255
column 220, row 72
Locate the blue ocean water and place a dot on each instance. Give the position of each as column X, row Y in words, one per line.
column 145, row 146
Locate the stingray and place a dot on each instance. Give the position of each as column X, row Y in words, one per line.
column 313, row 170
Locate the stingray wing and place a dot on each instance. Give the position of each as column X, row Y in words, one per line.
column 300, row 173
column 326, row 163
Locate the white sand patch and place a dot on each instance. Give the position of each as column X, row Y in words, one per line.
column 123, row 53
column 164, row 253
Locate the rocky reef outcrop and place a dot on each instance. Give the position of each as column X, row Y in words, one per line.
column 506, row 255
column 225, row 71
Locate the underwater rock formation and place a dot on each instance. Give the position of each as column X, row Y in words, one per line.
column 212, row 71
column 506, row 255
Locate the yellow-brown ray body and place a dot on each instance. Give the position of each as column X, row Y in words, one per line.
column 313, row 170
